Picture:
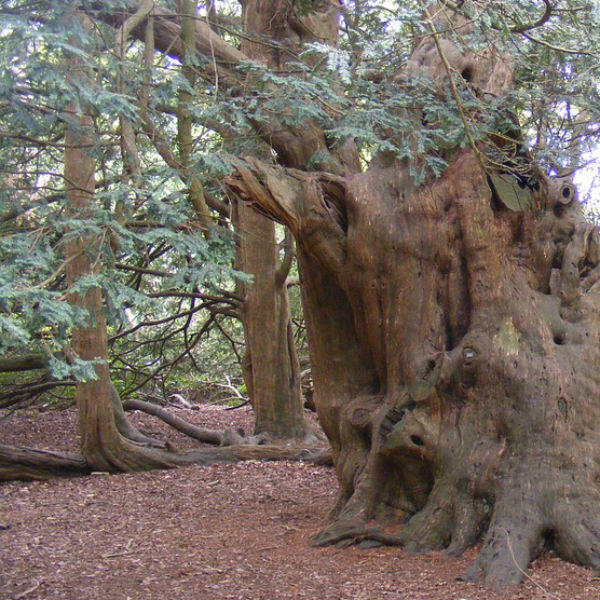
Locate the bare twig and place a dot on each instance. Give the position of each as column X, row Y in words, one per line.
column 512, row 556
column 115, row 554
column 28, row 591
column 541, row 21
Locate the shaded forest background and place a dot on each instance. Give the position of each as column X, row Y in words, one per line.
column 187, row 189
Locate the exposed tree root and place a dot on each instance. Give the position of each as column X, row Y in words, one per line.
column 577, row 536
column 208, row 436
column 110, row 443
column 343, row 535
column 512, row 541
column 228, row 437
column 125, row 428
column 17, row 463
column 27, row 463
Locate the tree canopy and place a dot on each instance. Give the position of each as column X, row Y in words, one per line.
column 351, row 92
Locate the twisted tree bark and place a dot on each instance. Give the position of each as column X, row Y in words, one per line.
column 454, row 333
column 455, row 351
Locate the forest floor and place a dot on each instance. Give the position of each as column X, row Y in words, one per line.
column 222, row 532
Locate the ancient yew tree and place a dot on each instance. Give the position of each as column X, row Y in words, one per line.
column 454, row 332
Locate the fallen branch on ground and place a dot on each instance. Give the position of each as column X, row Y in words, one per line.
column 29, row 463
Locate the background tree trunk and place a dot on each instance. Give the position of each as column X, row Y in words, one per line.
column 103, row 447
column 188, row 10
column 271, row 368
column 278, row 21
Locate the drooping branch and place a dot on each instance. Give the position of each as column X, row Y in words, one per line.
column 549, row 11
column 18, row 395
column 27, row 362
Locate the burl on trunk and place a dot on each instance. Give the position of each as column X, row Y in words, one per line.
column 455, row 347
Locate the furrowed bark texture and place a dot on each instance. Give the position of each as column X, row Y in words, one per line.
column 455, row 352
column 28, row 463
column 271, row 369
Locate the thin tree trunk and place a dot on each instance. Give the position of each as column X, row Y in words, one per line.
column 188, row 9
column 102, row 445
column 271, row 368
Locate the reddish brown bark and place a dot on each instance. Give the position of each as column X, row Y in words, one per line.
column 446, row 339
column 271, row 367
column 447, row 335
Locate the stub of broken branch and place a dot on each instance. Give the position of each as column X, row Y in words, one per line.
column 268, row 188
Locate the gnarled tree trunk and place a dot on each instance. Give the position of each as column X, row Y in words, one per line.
column 455, row 350
column 454, row 341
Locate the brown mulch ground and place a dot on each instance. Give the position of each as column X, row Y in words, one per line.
column 223, row 532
